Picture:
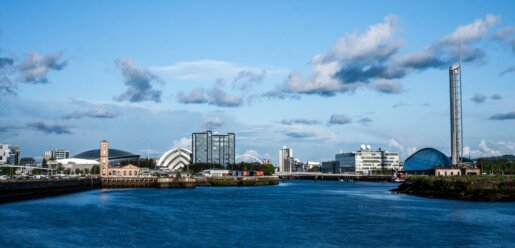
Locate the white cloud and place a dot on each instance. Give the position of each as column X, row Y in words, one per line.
column 212, row 69
column 472, row 31
column 182, row 143
column 489, row 148
column 405, row 151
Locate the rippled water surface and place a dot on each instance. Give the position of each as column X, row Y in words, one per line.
column 292, row 214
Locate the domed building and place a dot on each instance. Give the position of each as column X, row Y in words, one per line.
column 175, row 158
column 115, row 155
column 426, row 159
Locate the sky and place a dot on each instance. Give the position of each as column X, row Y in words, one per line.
column 320, row 77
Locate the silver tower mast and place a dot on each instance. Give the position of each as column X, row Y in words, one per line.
column 456, row 116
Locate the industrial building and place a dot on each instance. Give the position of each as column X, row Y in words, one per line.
column 213, row 148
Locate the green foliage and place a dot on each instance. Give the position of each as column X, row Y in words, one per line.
column 177, row 176
column 95, row 170
column 497, row 166
column 382, row 172
column 142, row 163
column 314, row 169
column 44, row 164
column 268, row 169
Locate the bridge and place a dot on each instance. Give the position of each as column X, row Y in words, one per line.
column 249, row 156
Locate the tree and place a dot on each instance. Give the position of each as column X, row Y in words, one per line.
column 44, row 164
column 86, row 171
column 268, row 169
column 78, row 171
column 95, row 170
column 178, row 176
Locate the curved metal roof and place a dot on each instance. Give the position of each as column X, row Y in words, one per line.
column 426, row 159
column 113, row 154
column 175, row 158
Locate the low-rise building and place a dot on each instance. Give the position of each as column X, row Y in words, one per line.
column 331, row 167
column 447, row 172
column 366, row 160
column 28, row 161
column 309, row 165
column 73, row 163
column 214, row 173
column 124, row 171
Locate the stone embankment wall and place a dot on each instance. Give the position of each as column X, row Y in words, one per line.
column 476, row 188
column 238, row 181
column 20, row 190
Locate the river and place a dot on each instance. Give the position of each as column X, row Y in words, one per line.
column 291, row 214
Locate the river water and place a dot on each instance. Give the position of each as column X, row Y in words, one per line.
column 292, row 214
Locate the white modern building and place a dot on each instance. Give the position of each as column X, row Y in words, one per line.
column 57, row 154
column 73, row 163
column 175, row 159
column 9, row 154
column 286, row 160
column 366, row 160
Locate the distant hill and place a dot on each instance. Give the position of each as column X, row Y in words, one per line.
column 508, row 157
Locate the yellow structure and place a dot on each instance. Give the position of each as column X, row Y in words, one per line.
column 117, row 171
column 125, row 171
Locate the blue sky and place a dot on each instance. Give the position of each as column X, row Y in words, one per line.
column 317, row 76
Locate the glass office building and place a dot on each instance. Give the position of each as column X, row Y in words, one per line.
column 213, row 148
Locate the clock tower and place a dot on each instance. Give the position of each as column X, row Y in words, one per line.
column 104, row 158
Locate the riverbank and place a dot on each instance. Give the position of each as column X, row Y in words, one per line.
column 30, row 189
column 473, row 188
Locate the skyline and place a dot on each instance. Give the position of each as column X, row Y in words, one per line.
column 300, row 74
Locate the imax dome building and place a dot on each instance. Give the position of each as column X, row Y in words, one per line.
column 426, row 159
column 115, row 155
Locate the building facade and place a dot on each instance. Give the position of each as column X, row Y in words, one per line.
column 366, row 160
column 9, row 154
column 57, row 154
column 213, row 148
column 286, row 160
column 175, row 159
column 104, row 158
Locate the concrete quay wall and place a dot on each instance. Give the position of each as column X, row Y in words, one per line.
column 21, row 190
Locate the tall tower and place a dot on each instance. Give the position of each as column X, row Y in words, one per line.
column 285, row 159
column 456, row 116
column 104, row 158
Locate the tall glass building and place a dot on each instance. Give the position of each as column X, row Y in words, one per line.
column 213, row 148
